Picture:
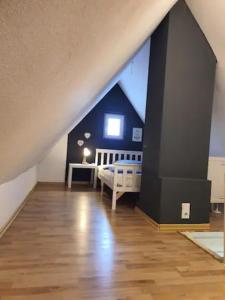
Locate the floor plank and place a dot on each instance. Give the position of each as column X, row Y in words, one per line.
column 70, row 245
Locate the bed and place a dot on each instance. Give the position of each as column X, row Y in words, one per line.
column 120, row 170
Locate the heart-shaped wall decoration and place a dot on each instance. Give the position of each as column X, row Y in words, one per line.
column 87, row 135
column 80, row 143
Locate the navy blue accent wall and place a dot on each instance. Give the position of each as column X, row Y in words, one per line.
column 115, row 102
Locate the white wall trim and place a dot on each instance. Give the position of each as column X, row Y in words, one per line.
column 13, row 193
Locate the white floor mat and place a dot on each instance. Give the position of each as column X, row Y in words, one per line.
column 212, row 242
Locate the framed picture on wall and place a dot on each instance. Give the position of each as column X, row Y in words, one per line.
column 137, row 135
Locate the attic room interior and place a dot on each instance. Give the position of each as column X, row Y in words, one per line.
column 112, row 149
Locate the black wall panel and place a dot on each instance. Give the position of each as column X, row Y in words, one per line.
column 178, row 120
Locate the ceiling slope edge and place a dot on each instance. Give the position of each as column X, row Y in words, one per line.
column 55, row 59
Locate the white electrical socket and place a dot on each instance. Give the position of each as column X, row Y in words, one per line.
column 185, row 210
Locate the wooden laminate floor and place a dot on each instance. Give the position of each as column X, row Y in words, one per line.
column 69, row 245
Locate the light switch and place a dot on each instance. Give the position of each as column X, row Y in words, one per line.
column 185, row 210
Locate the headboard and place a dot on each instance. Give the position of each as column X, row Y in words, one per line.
column 108, row 156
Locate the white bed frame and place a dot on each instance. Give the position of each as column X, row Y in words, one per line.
column 107, row 157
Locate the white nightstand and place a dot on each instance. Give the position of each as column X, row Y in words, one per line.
column 93, row 168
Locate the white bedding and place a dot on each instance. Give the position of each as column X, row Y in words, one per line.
column 122, row 175
column 128, row 180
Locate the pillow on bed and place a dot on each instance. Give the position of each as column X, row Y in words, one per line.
column 120, row 171
column 108, row 167
column 111, row 169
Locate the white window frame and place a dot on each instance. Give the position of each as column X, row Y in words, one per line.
column 114, row 116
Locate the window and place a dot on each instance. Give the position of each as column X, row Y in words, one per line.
column 113, row 126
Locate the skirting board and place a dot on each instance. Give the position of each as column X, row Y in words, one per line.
column 50, row 183
column 11, row 220
column 64, row 183
column 172, row 227
column 82, row 183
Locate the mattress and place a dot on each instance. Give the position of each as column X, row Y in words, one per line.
column 129, row 179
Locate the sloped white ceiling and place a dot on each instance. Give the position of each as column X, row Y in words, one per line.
column 210, row 15
column 134, row 79
column 56, row 56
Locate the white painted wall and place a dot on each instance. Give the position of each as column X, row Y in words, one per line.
column 134, row 79
column 52, row 167
column 210, row 17
column 12, row 194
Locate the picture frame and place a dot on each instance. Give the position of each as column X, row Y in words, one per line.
column 137, row 134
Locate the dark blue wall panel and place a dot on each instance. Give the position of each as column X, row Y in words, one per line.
column 178, row 119
column 115, row 102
